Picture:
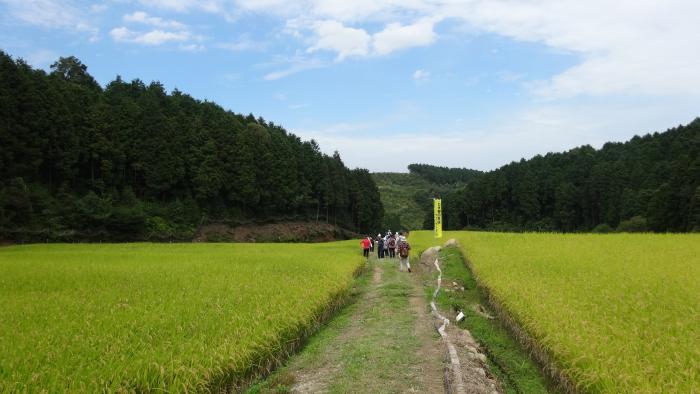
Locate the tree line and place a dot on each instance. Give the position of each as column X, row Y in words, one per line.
column 131, row 161
column 443, row 175
column 650, row 183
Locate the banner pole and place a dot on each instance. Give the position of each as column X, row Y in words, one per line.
column 437, row 210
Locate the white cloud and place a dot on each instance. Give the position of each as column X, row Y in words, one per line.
column 421, row 75
column 346, row 41
column 395, row 36
column 332, row 35
column 293, row 68
column 52, row 14
column 121, row 34
column 336, row 25
column 339, row 10
column 144, row 18
column 633, row 47
column 192, row 47
column 288, row 65
column 626, row 47
column 153, row 37
column 162, row 31
column 186, row 5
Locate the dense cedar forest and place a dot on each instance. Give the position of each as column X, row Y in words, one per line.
column 130, row 161
column 443, row 175
column 650, row 183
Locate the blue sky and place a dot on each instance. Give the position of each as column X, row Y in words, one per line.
column 466, row 83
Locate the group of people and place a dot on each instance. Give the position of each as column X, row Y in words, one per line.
column 390, row 245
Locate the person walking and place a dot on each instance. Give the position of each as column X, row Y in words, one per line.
column 391, row 245
column 404, row 253
column 386, row 243
column 380, row 246
column 371, row 244
column 365, row 246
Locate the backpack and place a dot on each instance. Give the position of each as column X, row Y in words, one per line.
column 403, row 249
column 392, row 243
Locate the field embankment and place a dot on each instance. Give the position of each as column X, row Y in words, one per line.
column 152, row 317
column 614, row 313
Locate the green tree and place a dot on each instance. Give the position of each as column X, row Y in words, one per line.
column 73, row 70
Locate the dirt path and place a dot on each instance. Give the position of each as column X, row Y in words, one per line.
column 318, row 378
column 385, row 342
column 431, row 368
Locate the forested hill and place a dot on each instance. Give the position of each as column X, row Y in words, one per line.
column 650, row 183
column 408, row 198
column 130, row 161
column 404, row 197
column 443, row 175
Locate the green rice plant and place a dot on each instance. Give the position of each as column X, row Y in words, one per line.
column 615, row 312
column 161, row 317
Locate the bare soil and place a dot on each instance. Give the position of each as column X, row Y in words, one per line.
column 431, row 369
column 273, row 232
column 317, row 380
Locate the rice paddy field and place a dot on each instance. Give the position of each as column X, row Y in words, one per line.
column 617, row 312
column 160, row 317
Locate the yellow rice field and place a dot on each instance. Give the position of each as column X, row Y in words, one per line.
column 160, row 317
column 618, row 312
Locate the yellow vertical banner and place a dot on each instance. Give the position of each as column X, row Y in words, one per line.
column 438, row 217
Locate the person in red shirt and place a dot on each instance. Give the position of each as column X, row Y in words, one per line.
column 365, row 246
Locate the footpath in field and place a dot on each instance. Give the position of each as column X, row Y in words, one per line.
column 385, row 342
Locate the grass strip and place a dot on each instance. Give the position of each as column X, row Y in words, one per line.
column 506, row 358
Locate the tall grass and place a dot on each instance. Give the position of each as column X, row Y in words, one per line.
column 617, row 313
column 158, row 317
